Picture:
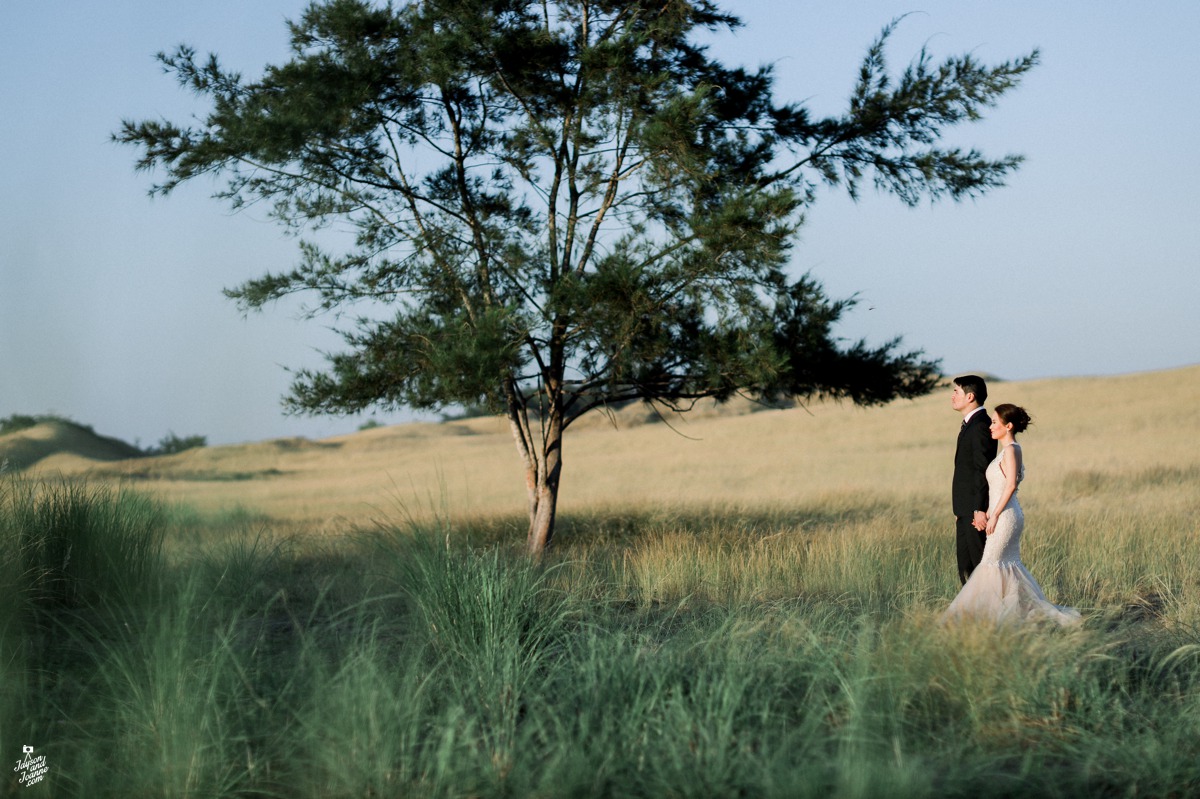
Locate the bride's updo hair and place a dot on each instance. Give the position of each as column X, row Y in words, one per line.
column 1014, row 415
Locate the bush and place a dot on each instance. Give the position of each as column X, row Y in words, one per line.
column 21, row 421
column 171, row 444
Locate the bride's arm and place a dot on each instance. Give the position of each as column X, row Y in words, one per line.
column 1008, row 466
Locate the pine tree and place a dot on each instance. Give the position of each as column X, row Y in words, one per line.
column 565, row 205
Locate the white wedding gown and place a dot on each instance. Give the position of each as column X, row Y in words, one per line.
column 1001, row 589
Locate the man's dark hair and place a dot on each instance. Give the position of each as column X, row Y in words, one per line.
column 973, row 384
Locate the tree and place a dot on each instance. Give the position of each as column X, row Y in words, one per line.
column 563, row 205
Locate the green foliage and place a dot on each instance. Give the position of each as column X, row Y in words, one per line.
column 171, row 444
column 574, row 184
column 17, row 422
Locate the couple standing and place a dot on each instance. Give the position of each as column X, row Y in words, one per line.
column 988, row 468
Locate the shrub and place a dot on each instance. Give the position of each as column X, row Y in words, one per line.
column 171, row 444
column 17, row 422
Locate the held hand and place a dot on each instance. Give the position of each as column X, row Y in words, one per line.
column 991, row 525
column 979, row 522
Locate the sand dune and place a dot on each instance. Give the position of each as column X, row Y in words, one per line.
column 1085, row 428
column 68, row 444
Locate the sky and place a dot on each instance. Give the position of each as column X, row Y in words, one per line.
column 111, row 304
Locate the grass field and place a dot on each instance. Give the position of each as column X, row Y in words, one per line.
column 749, row 610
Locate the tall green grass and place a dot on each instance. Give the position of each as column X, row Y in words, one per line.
column 785, row 654
column 70, row 544
column 73, row 558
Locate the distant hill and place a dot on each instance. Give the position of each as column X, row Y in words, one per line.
column 56, row 444
column 31, row 445
column 1088, row 431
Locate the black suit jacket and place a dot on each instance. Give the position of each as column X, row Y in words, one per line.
column 976, row 449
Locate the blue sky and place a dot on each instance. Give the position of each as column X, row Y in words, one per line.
column 111, row 309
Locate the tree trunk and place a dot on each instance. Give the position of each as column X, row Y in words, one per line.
column 543, row 505
column 542, row 458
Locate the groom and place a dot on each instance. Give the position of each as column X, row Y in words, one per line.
column 976, row 449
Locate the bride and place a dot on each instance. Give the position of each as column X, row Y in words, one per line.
column 1000, row 588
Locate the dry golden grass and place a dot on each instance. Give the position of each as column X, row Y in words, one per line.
column 1092, row 439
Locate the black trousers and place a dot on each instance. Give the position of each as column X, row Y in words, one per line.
column 970, row 546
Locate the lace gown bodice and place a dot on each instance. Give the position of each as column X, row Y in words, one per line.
column 1001, row 589
column 1004, row 545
